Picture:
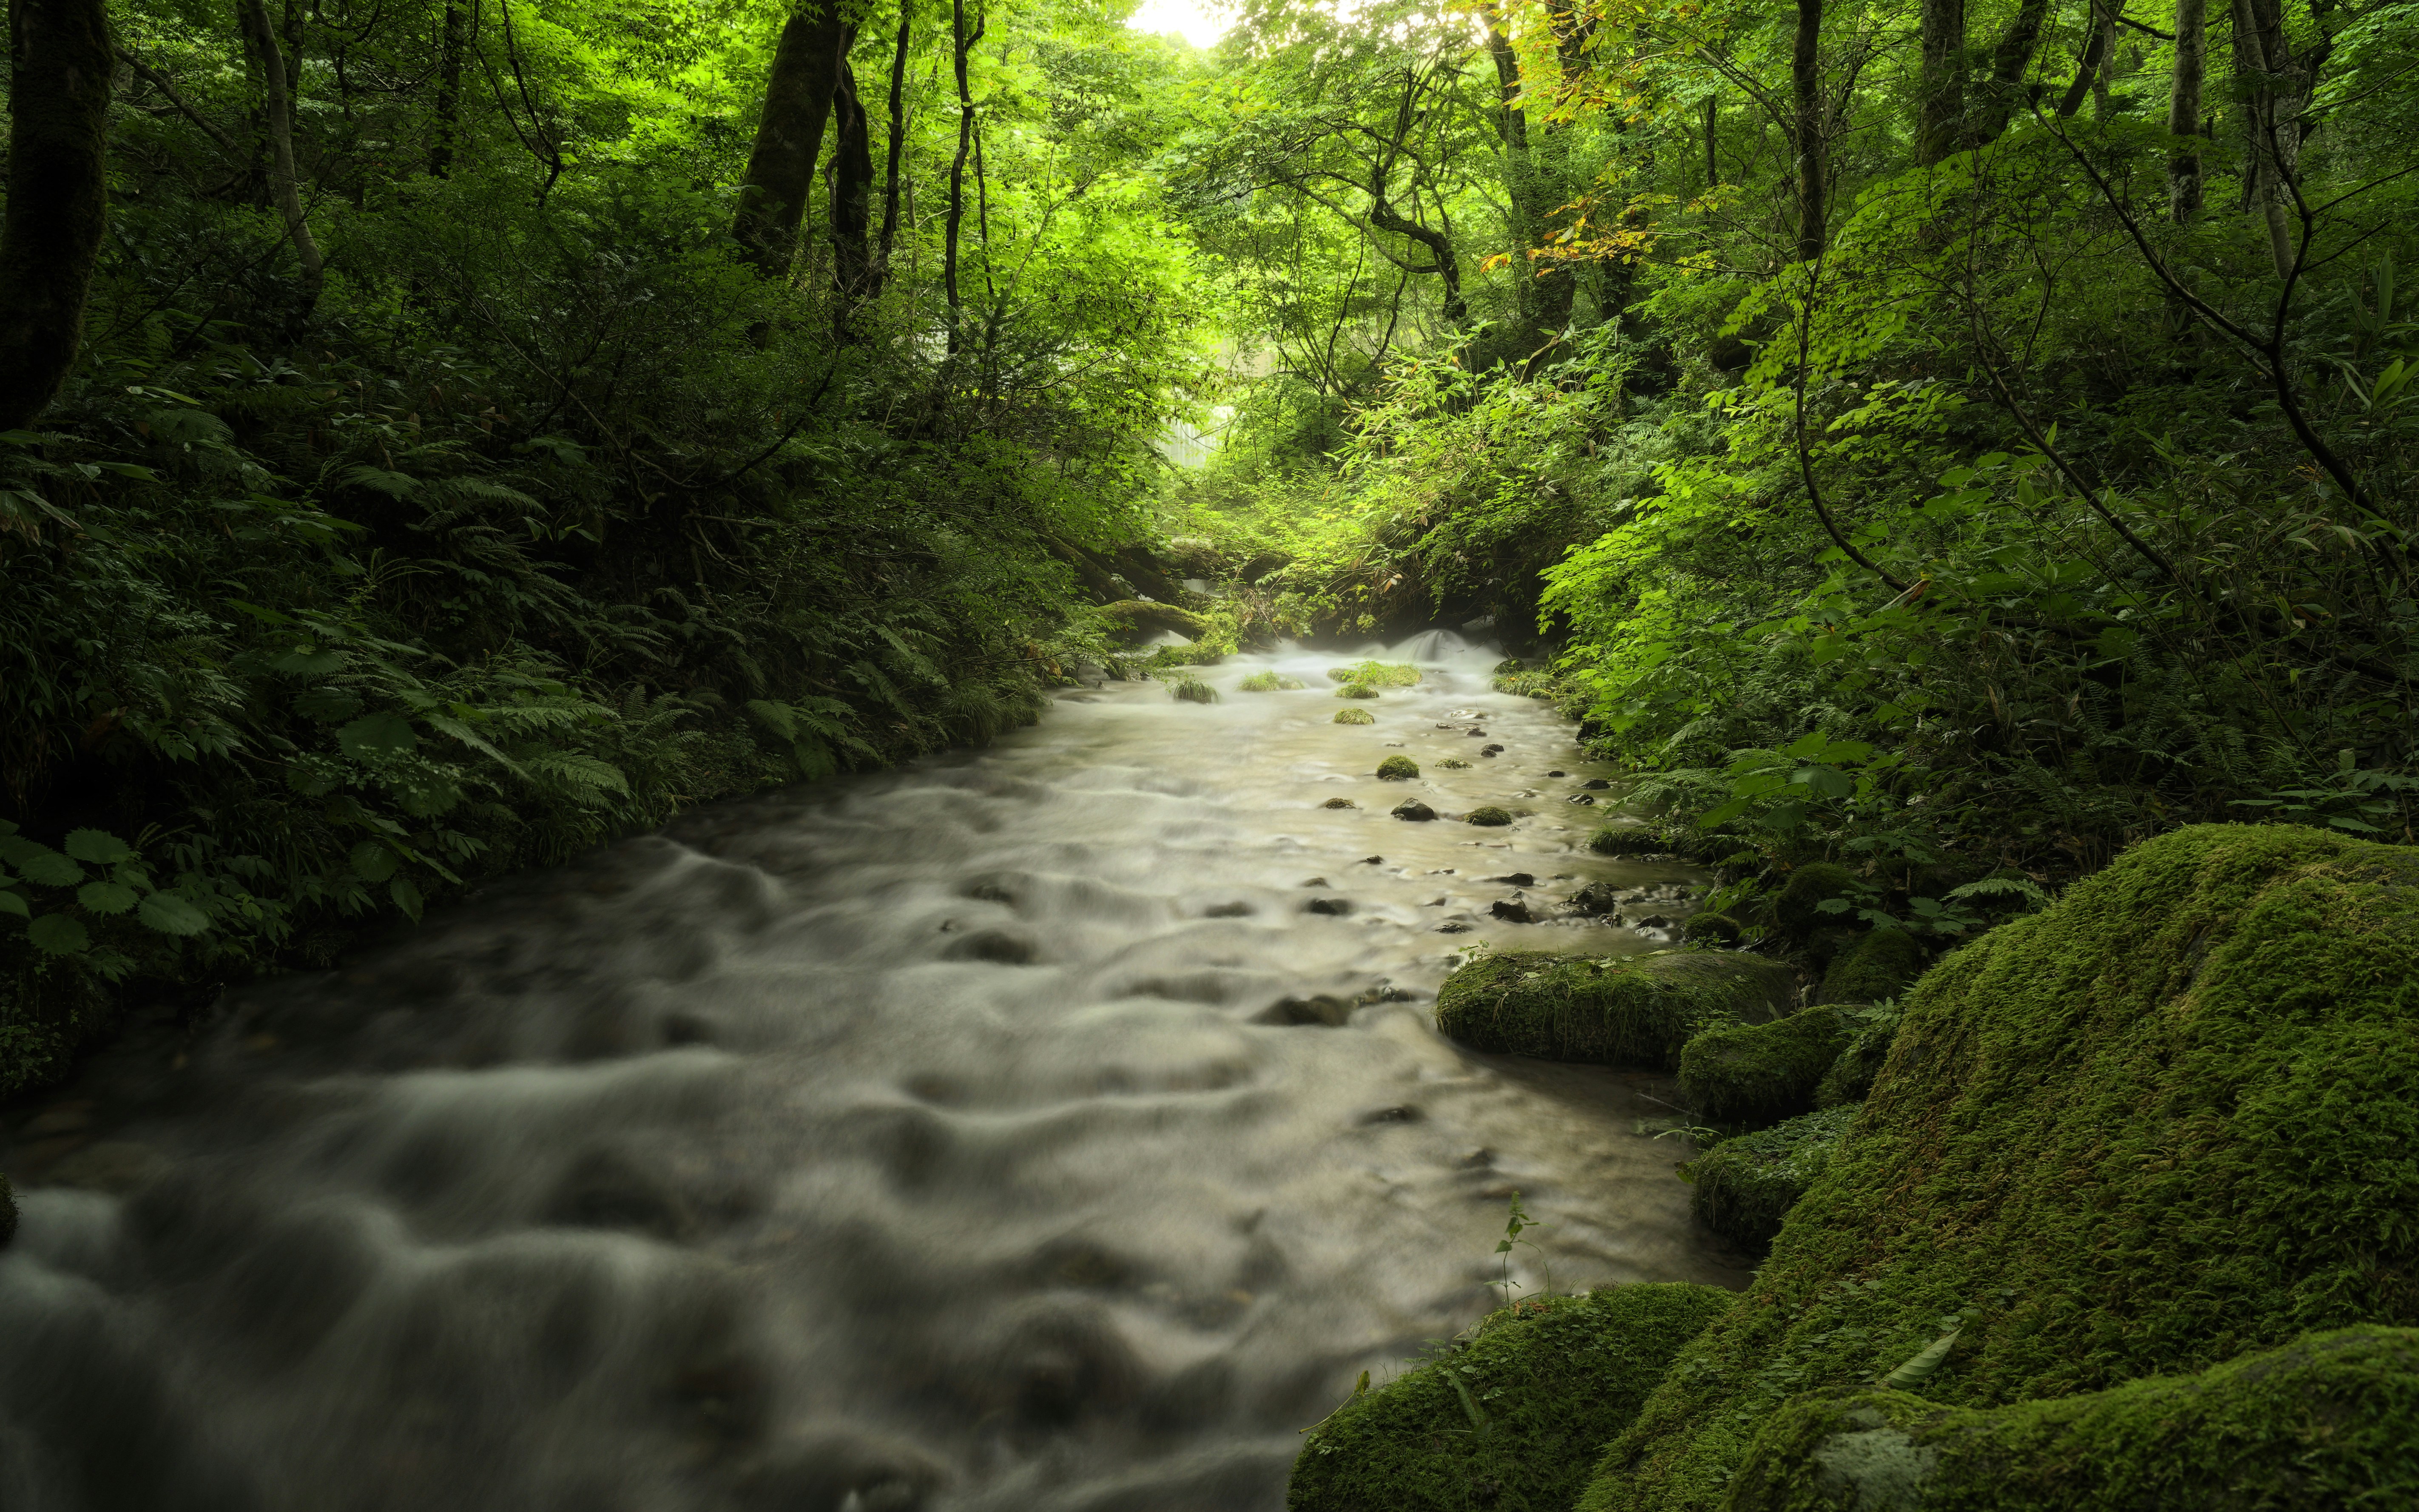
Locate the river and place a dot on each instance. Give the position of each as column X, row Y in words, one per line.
column 1053, row 1127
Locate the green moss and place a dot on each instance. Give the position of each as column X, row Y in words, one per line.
column 1356, row 690
column 1851, row 1078
column 1710, row 929
column 1398, row 769
column 1454, row 763
column 1377, row 673
column 2172, row 1118
column 1795, row 907
column 1354, row 717
column 2331, row 1420
column 1537, row 1396
column 8, row 1212
column 1192, row 690
column 1760, row 1074
column 1635, row 1010
column 1628, row 840
column 1141, row 617
column 1882, row 963
column 1268, row 683
column 1742, row 1188
column 1490, row 816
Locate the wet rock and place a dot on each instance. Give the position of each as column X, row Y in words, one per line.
column 1580, row 798
column 1517, row 879
column 1597, row 898
column 1652, row 921
column 1357, row 690
column 1315, row 882
column 1595, row 783
column 1335, row 907
column 1393, row 1115
column 1414, row 808
column 1236, row 910
column 1489, row 817
column 1557, row 774
column 1371, row 860
column 1354, row 717
column 1452, row 764
column 1397, row 769
column 1452, row 927
column 1325, row 1010
column 1512, row 910
column 1339, row 803
column 1636, row 1011
column 1490, row 751
column 995, row 946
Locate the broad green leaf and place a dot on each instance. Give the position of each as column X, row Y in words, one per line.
column 373, row 862
column 106, row 896
column 14, row 903
column 39, row 863
column 57, row 934
column 384, row 734
column 327, row 705
column 171, row 914
column 98, row 846
column 405, row 896
column 310, row 661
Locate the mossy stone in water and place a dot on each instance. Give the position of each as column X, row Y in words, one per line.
column 1619, row 1011
column 1452, row 764
column 1355, row 717
column 1710, row 929
column 2330, row 1420
column 1512, row 1418
column 1192, row 690
column 1487, row 816
column 1742, row 1188
column 1398, row 769
column 2172, row 1118
column 1356, row 690
column 1627, row 840
column 1377, row 673
column 1880, row 964
column 1759, row 1074
column 1268, row 683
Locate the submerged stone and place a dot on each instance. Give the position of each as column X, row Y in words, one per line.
column 1622, row 1011
column 1760, row 1074
column 1413, row 808
column 2327, row 1421
column 2168, row 1120
column 1489, row 816
column 1355, row 717
column 1397, row 769
column 1512, row 1416
column 1356, row 690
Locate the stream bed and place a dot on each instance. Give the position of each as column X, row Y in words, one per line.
column 1059, row 1127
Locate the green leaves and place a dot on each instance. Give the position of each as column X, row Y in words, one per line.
column 373, row 862
column 58, row 934
column 376, row 735
column 106, row 896
column 97, row 846
column 172, row 915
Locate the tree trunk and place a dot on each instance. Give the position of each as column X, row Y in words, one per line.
column 1383, row 215
column 60, row 60
column 898, row 142
column 2183, row 110
column 1806, row 79
column 2005, row 86
column 781, row 165
column 1712, row 169
column 852, row 196
column 2094, row 66
column 284, row 184
column 1940, row 86
column 962, row 44
column 2274, row 90
column 449, row 93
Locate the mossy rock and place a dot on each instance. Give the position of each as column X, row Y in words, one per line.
column 1489, row 816
column 1617, row 1011
column 2172, row 1118
column 1268, row 683
column 1512, row 1418
column 1742, row 1188
column 1190, row 689
column 1354, row 717
column 1397, row 769
column 1454, row 763
column 1632, row 839
column 1376, row 674
column 2330, row 1420
column 7, row 1212
column 1757, row 1073
column 1882, row 963
column 1852, row 1076
column 1798, row 906
column 1140, row 617
column 1711, row 929
column 1829, row 942
column 1356, row 690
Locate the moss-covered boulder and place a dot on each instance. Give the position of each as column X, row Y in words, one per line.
column 1377, row 673
column 1489, row 816
column 1627, row 839
column 1742, row 1188
column 1356, row 690
column 1138, row 618
column 1397, row 769
column 1269, row 683
column 1453, row 763
column 1615, row 1011
column 1514, row 1418
column 1798, row 907
column 1355, row 717
column 1872, row 1031
column 2172, row 1118
column 1882, row 963
column 1190, row 689
column 2331, row 1420
column 1760, row 1074
column 1711, row 929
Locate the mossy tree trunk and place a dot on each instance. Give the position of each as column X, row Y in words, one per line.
column 790, row 137
column 60, row 62
column 283, row 180
column 852, row 196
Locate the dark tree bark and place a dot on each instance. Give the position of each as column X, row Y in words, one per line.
column 781, row 165
column 284, row 185
column 852, row 196
column 2094, row 67
column 1383, row 215
column 1712, row 169
column 449, row 93
column 2183, row 110
column 1806, row 81
column 59, row 63
column 963, row 44
column 2273, row 91
column 1940, row 87
column 897, row 144
column 2003, row 88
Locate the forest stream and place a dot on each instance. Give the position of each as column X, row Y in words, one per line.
column 1055, row 1126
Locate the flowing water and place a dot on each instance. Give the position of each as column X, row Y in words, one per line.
column 1056, row 1127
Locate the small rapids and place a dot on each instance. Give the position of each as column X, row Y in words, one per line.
column 1054, row 1127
